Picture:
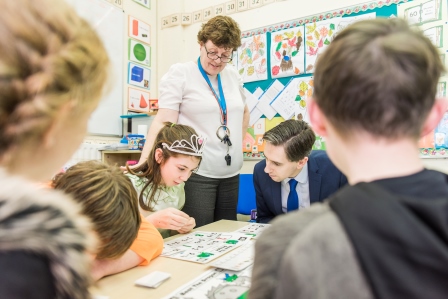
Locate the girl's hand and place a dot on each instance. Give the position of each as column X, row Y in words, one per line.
column 169, row 218
column 188, row 227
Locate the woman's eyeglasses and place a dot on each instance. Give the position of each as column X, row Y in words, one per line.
column 215, row 56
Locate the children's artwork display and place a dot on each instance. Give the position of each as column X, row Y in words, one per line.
column 139, row 75
column 138, row 100
column 139, row 30
column 139, row 52
column 202, row 247
column 252, row 58
column 287, row 52
column 294, row 47
column 216, row 283
column 318, row 36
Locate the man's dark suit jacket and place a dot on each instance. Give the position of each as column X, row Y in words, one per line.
column 323, row 177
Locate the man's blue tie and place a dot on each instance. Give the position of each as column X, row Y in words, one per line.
column 293, row 198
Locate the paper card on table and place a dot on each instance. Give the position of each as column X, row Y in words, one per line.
column 266, row 98
column 216, row 283
column 139, row 75
column 238, row 259
column 202, row 247
column 139, row 30
column 139, row 52
column 253, row 229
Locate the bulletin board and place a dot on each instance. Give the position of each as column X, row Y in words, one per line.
column 281, row 73
column 431, row 17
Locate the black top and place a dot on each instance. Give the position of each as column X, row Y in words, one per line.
column 399, row 229
column 19, row 269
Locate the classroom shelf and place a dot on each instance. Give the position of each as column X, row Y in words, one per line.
column 120, row 157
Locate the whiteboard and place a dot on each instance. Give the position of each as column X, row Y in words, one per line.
column 108, row 21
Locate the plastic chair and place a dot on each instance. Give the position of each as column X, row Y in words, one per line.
column 246, row 195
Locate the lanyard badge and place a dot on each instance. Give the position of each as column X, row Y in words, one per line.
column 225, row 136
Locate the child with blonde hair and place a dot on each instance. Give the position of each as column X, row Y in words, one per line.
column 53, row 67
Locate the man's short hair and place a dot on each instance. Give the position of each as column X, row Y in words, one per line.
column 296, row 136
column 109, row 199
column 379, row 76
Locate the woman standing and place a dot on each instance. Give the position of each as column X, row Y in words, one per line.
column 207, row 96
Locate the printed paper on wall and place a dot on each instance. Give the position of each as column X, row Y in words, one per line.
column 318, row 36
column 139, row 30
column 138, row 100
column 252, row 58
column 139, row 75
column 287, row 52
column 139, row 52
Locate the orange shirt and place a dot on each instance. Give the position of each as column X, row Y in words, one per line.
column 149, row 242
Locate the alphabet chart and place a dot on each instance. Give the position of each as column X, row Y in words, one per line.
column 202, row 247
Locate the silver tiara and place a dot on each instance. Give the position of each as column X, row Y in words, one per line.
column 196, row 145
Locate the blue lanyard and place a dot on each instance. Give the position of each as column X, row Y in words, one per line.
column 221, row 99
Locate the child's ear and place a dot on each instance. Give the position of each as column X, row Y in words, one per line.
column 435, row 115
column 317, row 118
column 158, row 155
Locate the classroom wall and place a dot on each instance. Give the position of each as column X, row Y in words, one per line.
column 179, row 43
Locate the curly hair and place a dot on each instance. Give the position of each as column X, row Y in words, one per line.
column 48, row 57
column 222, row 31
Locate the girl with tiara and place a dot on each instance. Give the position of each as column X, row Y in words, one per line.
column 175, row 155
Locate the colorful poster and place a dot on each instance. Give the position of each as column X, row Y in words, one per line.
column 287, row 52
column 139, row 52
column 139, row 30
column 138, row 100
column 318, row 36
column 252, row 58
column 145, row 3
column 139, row 75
